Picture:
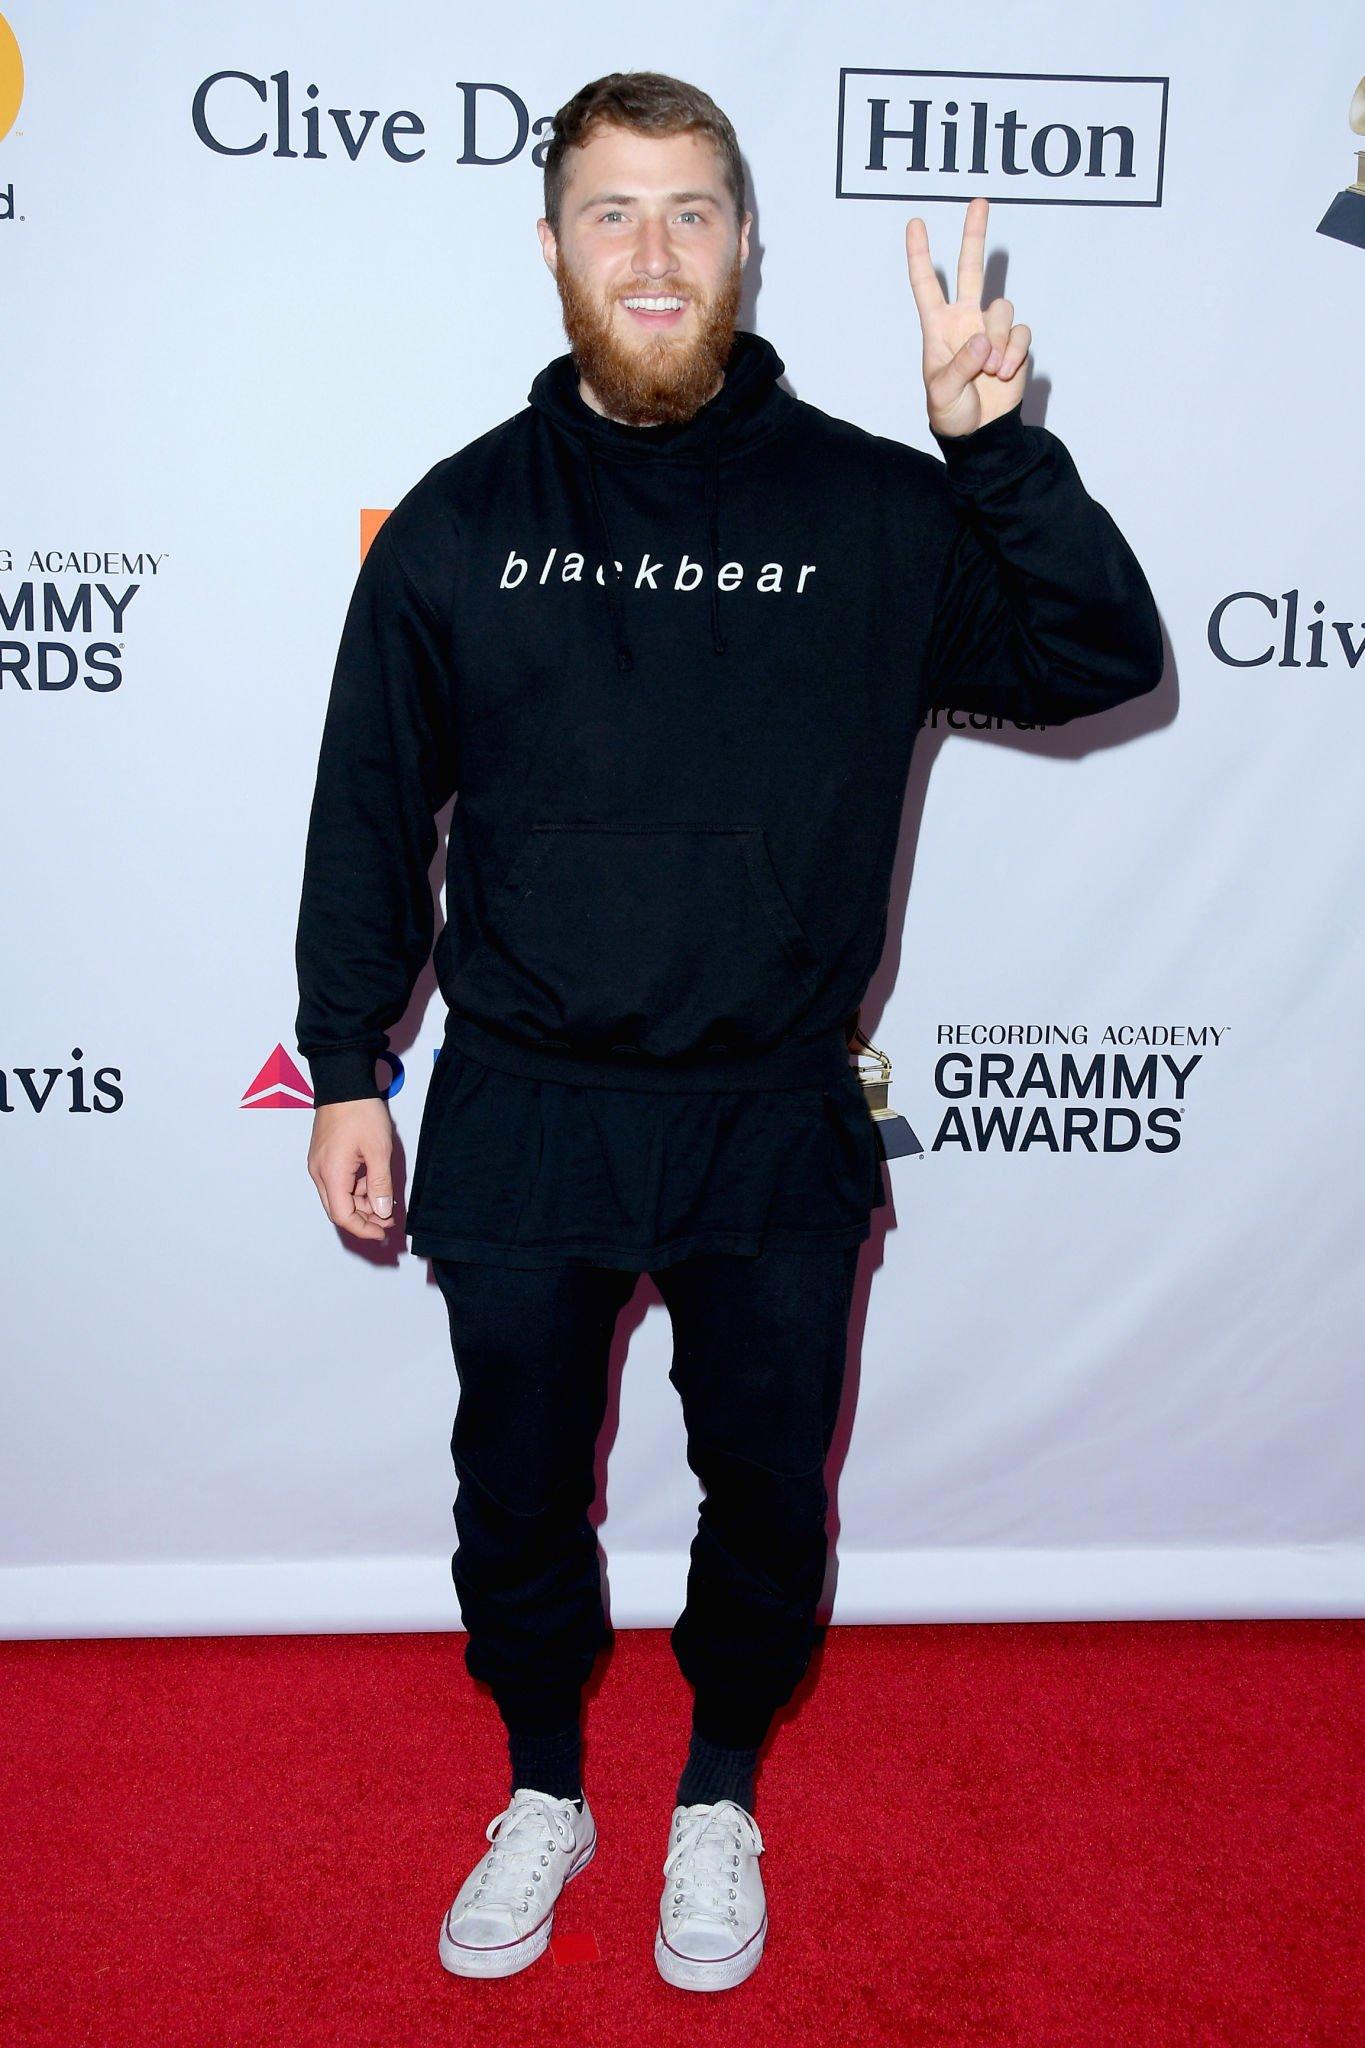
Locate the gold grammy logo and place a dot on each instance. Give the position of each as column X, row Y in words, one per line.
column 894, row 1135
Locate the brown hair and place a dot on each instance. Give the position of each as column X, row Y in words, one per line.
column 648, row 103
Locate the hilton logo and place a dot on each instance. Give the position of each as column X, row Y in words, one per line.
column 1069, row 140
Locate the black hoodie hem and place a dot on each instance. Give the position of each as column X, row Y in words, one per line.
column 429, row 1242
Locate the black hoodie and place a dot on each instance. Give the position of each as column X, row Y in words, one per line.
column 680, row 783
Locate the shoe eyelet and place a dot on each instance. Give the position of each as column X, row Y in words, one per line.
column 732, row 1892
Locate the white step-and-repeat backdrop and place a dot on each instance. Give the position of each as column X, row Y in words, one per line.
column 1097, row 1367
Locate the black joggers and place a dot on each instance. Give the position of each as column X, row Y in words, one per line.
column 758, row 1359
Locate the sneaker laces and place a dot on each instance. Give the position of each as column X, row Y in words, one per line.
column 704, row 1859
column 520, row 1834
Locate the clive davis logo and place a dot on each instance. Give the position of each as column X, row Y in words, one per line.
column 1028, row 136
column 11, row 93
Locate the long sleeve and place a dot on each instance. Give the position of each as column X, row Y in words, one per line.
column 1042, row 613
column 386, row 765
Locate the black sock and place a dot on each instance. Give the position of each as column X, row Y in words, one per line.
column 548, row 1763
column 712, row 1773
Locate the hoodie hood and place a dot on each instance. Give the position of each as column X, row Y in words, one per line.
column 749, row 405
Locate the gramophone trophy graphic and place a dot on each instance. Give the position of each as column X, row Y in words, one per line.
column 894, row 1135
column 1344, row 219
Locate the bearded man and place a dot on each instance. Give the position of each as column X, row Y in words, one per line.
column 669, row 634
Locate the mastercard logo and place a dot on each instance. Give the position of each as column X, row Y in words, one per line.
column 11, row 78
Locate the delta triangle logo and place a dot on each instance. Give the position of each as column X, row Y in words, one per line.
column 279, row 1085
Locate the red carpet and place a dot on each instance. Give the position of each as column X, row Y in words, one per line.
column 1122, row 1836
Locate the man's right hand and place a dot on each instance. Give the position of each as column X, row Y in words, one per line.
column 349, row 1164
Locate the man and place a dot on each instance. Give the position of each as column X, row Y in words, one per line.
column 670, row 633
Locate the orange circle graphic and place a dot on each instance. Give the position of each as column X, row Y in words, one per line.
column 11, row 78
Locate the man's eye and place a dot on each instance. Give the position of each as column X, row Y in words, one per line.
column 615, row 213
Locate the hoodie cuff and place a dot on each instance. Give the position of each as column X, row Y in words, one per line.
column 989, row 452
column 346, row 1075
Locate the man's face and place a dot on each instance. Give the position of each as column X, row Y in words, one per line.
column 647, row 217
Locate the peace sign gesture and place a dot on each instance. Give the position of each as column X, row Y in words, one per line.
column 973, row 361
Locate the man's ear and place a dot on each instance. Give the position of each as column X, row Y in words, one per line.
column 549, row 248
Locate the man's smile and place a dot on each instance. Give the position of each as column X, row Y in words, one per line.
column 655, row 309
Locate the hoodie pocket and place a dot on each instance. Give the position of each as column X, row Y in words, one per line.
column 662, row 939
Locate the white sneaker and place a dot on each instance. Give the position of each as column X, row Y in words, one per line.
column 713, row 1916
column 501, row 1917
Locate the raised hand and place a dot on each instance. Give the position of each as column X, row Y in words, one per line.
column 973, row 360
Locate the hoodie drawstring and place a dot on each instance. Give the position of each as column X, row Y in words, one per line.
column 611, row 575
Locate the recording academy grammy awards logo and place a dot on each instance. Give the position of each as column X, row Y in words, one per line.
column 1020, row 1088
column 67, row 614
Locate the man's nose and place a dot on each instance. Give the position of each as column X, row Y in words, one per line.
column 654, row 252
